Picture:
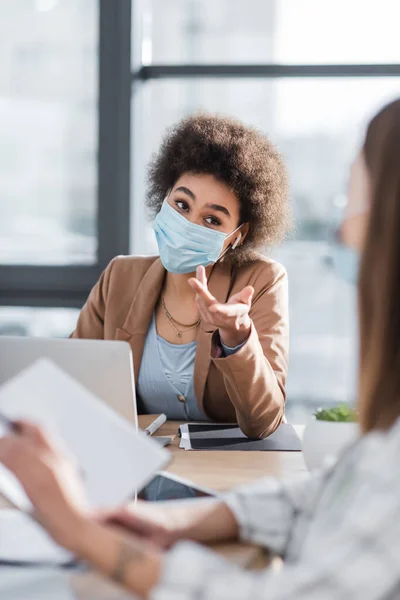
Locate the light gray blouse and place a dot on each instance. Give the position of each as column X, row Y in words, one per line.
column 165, row 383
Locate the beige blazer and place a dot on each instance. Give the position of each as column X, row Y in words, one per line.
column 247, row 387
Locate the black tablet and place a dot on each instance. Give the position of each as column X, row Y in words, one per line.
column 165, row 486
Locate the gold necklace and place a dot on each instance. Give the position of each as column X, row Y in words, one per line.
column 174, row 322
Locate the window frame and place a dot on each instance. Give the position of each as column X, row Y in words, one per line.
column 69, row 285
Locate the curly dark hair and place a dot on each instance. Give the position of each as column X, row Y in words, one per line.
column 237, row 155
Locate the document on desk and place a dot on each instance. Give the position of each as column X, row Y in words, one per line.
column 113, row 457
column 220, row 436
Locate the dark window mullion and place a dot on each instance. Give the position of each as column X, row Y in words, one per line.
column 265, row 71
column 114, row 129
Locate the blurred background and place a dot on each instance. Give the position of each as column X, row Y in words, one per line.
column 87, row 88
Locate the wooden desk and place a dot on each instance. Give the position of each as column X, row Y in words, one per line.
column 222, row 471
column 217, row 470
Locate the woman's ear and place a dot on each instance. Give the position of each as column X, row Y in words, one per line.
column 244, row 230
column 236, row 242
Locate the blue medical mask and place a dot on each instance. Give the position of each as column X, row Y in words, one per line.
column 183, row 246
column 346, row 262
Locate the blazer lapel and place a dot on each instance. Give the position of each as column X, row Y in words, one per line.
column 137, row 322
column 219, row 284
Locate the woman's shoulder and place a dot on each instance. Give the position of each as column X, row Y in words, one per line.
column 136, row 265
column 377, row 454
column 124, row 273
column 261, row 272
column 389, row 440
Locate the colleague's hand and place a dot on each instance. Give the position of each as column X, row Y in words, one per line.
column 162, row 524
column 49, row 480
column 231, row 319
column 158, row 523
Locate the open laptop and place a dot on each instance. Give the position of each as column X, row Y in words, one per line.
column 103, row 367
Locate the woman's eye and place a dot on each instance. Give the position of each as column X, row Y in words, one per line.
column 213, row 221
column 182, row 205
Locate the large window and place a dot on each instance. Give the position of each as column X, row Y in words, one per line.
column 48, row 132
column 269, row 31
column 65, row 86
column 307, row 74
column 37, row 322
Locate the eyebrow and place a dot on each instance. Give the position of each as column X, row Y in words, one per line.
column 216, row 207
column 219, row 208
column 186, row 190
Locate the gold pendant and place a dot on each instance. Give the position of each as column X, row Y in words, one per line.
column 179, row 335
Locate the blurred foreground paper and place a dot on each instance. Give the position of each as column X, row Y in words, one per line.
column 114, row 458
column 22, row 540
column 33, row 584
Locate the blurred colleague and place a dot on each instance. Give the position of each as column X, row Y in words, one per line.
column 339, row 529
column 212, row 346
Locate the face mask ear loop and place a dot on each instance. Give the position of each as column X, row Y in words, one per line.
column 236, row 242
column 231, row 246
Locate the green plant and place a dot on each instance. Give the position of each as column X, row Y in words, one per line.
column 341, row 414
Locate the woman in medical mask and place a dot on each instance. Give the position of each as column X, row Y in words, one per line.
column 207, row 320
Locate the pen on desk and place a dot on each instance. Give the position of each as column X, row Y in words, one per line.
column 156, row 424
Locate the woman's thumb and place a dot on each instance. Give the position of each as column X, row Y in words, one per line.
column 247, row 294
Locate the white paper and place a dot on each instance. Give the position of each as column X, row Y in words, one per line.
column 115, row 459
column 185, row 443
column 33, row 584
column 23, row 540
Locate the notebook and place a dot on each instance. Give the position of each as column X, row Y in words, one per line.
column 216, row 436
